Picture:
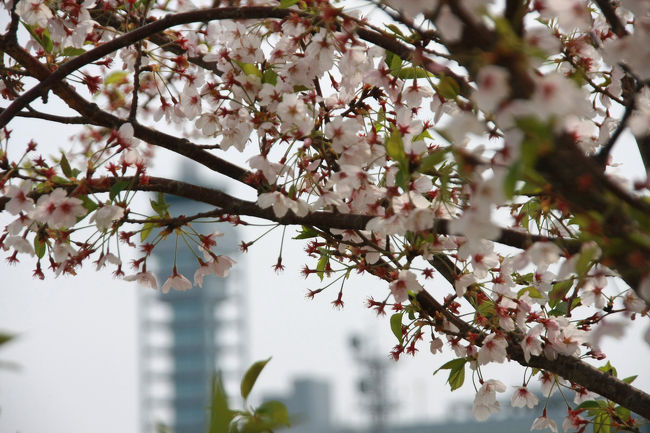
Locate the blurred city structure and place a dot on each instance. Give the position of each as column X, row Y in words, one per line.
column 185, row 337
column 309, row 405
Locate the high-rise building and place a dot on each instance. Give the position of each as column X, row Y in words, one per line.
column 187, row 337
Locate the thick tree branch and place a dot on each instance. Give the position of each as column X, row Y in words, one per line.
column 332, row 220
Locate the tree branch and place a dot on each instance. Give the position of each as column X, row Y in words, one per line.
column 332, row 220
column 130, row 38
column 610, row 15
column 96, row 116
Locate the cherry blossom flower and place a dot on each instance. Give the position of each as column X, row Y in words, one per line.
column 105, row 215
column 462, row 283
column 522, row 397
column 633, row 303
column 145, row 279
column 177, row 282
column 436, row 345
column 220, row 267
column 573, row 421
column 592, row 293
column 544, row 422
column 493, row 349
column 550, row 383
column 19, row 244
column 57, row 209
column 531, row 344
column 448, row 24
column 281, row 204
column 270, row 170
column 20, row 201
column 493, row 87
column 191, row 102
column 543, row 254
column 485, row 402
column 571, row 14
column 405, row 281
column 34, row 12
column 108, row 258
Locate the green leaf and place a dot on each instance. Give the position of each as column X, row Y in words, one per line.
column 39, row 247
column 65, row 166
column 87, row 203
column 306, row 233
column 396, row 325
column 393, row 61
column 448, row 88
column 457, row 374
column 456, row 377
column 249, row 69
column 513, row 175
column 275, row 413
column 623, row 413
column 450, row 365
column 558, row 292
column 220, row 414
column 5, row 338
column 422, row 135
column 402, row 177
column 630, row 379
column 270, row 77
column 42, row 37
column 60, row 180
column 609, row 369
column 116, row 77
column 395, row 145
column 432, row 159
column 396, row 30
column 411, row 72
column 561, row 309
column 160, row 206
column 285, row 4
column 585, row 259
column 532, row 292
column 322, row 264
column 73, row 52
column 147, row 228
column 589, row 404
column 117, row 188
column 602, row 423
column 251, row 376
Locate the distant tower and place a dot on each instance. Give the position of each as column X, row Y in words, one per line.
column 373, row 386
column 185, row 337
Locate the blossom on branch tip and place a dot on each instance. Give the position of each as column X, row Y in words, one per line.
column 522, row 397
column 220, row 267
column 544, row 422
column 34, row 12
column 57, row 209
column 20, row 201
column 485, row 401
column 281, row 204
column 105, row 215
column 405, row 282
column 145, row 279
column 493, row 349
column 177, row 282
